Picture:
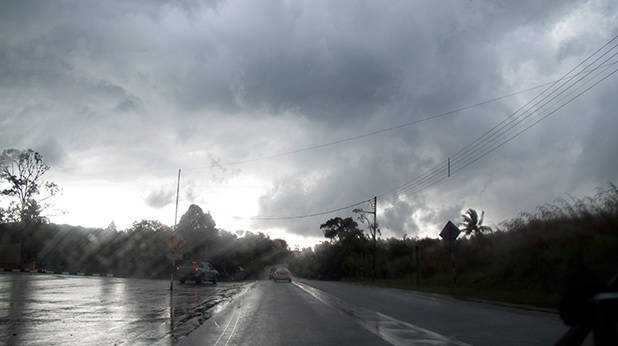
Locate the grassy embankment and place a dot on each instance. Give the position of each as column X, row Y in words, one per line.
column 534, row 259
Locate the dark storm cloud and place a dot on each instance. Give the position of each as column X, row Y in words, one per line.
column 277, row 58
column 461, row 64
column 346, row 175
column 134, row 89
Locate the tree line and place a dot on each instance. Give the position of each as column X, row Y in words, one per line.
column 536, row 258
column 141, row 250
column 543, row 254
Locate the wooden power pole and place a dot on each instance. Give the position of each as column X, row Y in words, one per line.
column 375, row 229
column 175, row 222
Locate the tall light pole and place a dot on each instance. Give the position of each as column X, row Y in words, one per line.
column 372, row 229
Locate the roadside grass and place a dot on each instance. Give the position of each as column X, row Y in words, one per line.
column 563, row 250
column 529, row 297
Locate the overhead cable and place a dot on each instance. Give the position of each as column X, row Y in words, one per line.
column 502, row 133
column 266, row 218
column 436, row 173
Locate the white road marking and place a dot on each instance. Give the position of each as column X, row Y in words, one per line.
column 234, row 329
column 224, row 329
column 388, row 328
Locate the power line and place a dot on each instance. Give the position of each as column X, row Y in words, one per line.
column 258, row 218
column 376, row 132
column 436, row 175
column 552, row 84
column 427, row 181
column 436, row 172
column 539, row 120
column 538, row 111
column 383, row 130
column 430, row 178
column 434, row 178
column 514, row 121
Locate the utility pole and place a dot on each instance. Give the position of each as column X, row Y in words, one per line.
column 175, row 222
column 372, row 229
column 177, row 194
column 417, row 257
column 375, row 228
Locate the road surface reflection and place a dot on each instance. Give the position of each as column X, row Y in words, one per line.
column 63, row 309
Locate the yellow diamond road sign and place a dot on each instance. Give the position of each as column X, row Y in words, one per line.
column 175, row 242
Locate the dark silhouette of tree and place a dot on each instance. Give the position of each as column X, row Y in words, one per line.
column 343, row 229
column 196, row 220
column 32, row 213
column 344, row 255
column 10, row 214
column 111, row 227
column 147, row 226
column 472, row 224
column 21, row 172
column 199, row 232
column 331, row 227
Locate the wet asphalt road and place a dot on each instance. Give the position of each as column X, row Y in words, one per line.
column 49, row 309
column 332, row 313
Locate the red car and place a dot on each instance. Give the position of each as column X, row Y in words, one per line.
column 196, row 271
column 282, row 274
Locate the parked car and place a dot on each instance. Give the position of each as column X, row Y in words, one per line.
column 196, row 271
column 282, row 274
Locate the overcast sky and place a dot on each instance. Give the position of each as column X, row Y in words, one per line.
column 118, row 96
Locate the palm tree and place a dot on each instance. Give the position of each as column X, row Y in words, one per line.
column 472, row 224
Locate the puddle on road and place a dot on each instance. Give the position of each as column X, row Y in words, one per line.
column 190, row 311
column 43, row 309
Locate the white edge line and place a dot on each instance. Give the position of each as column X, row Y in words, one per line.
column 233, row 329
column 224, row 329
column 438, row 336
column 423, row 330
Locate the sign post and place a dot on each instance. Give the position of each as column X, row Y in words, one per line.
column 175, row 243
column 417, row 257
column 449, row 233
